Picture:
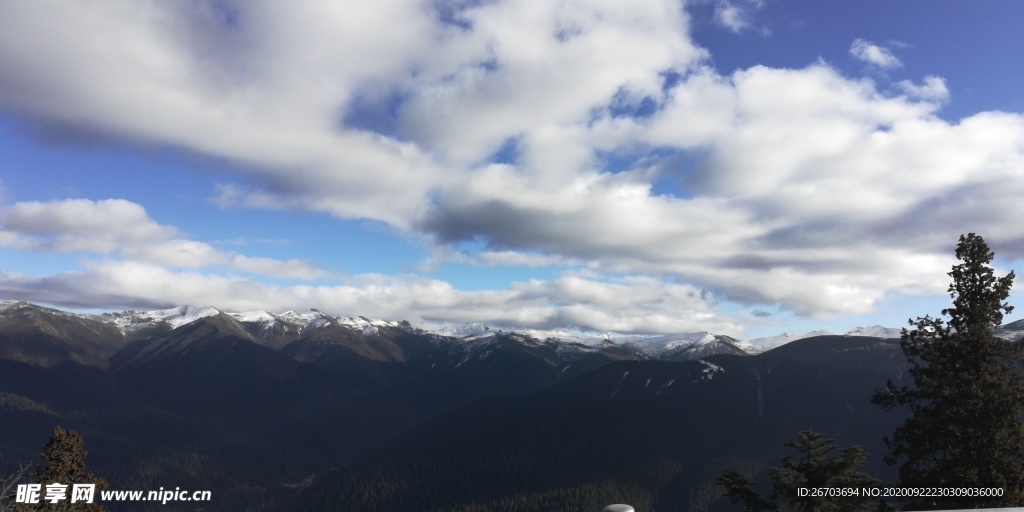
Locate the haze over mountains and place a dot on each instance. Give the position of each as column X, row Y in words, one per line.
column 268, row 410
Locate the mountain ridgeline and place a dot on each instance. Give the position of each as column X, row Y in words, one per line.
column 279, row 411
column 46, row 337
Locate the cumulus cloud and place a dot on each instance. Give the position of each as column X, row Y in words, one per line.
column 269, row 86
column 528, row 71
column 544, row 132
column 933, row 88
column 737, row 15
column 80, row 225
column 444, row 253
column 262, row 85
column 874, row 54
column 287, row 269
column 809, row 185
column 123, row 228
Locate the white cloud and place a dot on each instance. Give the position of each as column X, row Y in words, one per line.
column 176, row 253
column 289, row 269
column 799, row 188
column 120, row 227
column 443, row 253
column 803, row 173
column 80, row 225
column 933, row 88
column 737, row 15
column 512, row 258
column 266, row 91
column 535, row 68
column 874, row 54
column 270, row 89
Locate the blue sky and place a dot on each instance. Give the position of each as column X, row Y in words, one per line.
column 745, row 167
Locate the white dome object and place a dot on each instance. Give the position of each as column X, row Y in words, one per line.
column 619, row 508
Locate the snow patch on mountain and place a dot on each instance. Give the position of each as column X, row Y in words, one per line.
column 459, row 330
column 27, row 308
column 1009, row 334
column 756, row 346
column 9, row 305
column 182, row 315
column 318, row 319
column 710, row 370
column 875, row 331
column 564, row 336
column 367, row 326
column 131, row 320
column 658, row 345
column 261, row 316
column 300, row 319
column 566, row 341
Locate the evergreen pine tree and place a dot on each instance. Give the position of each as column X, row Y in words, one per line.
column 64, row 458
column 816, row 468
column 965, row 428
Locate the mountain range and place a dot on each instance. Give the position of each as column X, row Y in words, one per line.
column 309, row 410
column 41, row 335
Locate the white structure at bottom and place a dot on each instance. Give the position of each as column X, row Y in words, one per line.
column 619, row 508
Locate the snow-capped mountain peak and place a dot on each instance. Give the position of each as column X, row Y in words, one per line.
column 291, row 325
column 127, row 321
column 367, row 326
column 11, row 304
column 463, row 330
column 657, row 345
column 260, row 316
column 876, row 331
column 300, row 319
column 767, row 343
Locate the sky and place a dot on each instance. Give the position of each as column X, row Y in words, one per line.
column 744, row 167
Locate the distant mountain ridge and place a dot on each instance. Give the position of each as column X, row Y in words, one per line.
column 431, row 370
column 276, row 330
column 256, row 399
column 46, row 336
